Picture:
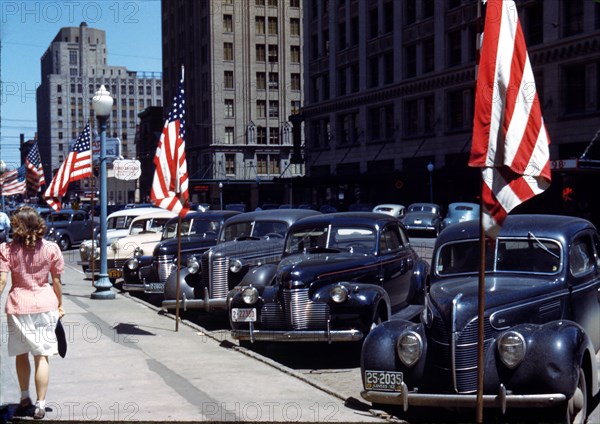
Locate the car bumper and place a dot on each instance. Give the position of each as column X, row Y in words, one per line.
column 502, row 400
column 298, row 335
column 206, row 303
column 144, row 287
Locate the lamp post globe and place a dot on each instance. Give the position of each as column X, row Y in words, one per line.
column 102, row 104
column 221, row 194
column 430, row 168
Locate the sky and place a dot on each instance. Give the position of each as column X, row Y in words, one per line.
column 27, row 27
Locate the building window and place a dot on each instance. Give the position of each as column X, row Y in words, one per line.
column 295, row 107
column 261, row 108
column 228, row 79
column 261, row 135
column 273, row 53
column 342, row 36
column 230, row 164
column 272, row 26
column 295, row 54
column 295, row 26
column 272, row 3
column 411, row 12
column 574, row 89
column 428, row 8
column 342, row 81
column 374, row 125
column 454, row 48
column 354, row 31
column 229, row 137
column 373, row 23
column 410, row 54
column 73, row 72
column 295, row 82
column 273, row 135
column 262, row 162
column 572, row 22
column 411, row 117
column 260, row 2
column 227, row 23
column 388, row 17
column 429, row 120
column 273, row 109
column 228, row 51
column 534, row 20
column 261, row 81
column 388, row 68
column 229, row 108
column 261, row 53
column 260, row 25
column 273, row 80
column 354, row 77
column 373, row 71
column 457, row 109
column 294, row 3
column 72, row 57
column 429, row 55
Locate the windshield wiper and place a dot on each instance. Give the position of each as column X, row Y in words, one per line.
column 542, row 245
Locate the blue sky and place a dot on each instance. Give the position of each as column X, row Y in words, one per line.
column 133, row 32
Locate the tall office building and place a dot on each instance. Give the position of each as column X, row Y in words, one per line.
column 73, row 68
column 390, row 90
column 243, row 79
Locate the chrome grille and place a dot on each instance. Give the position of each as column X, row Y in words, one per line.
column 216, row 276
column 165, row 266
column 272, row 316
column 465, row 360
column 301, row 313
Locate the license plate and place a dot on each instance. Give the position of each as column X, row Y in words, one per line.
column 389, row 381
column 115, row 273
column 243, row 315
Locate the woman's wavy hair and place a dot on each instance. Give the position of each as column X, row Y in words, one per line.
column 28, row 227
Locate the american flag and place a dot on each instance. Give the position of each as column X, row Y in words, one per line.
column 76, row 166
column 170, row 184
column 13, row 182
column 510, row 142
column 35, row 171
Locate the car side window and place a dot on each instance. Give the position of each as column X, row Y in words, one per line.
column 580, row 257
column 389, row 240
column 77, row 217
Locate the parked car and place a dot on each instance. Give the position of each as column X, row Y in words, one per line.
column 69, row 227
column 423, row 219
column 199, row 232
column 391, row 209
column 240, row 207
column 144, row 234
column 541, row 324
column 117, row 226
column 460, row 212
column 341, row 274
column 246, row 241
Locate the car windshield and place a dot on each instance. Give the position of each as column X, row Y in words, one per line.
column 515, row 255
column 256, row 229
column 150, row 225
column 119, row 222
column 326, row 237
column 59, row 217
column 421, row 208
column 192, row 227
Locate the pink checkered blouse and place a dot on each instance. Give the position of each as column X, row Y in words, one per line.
column 30, row 292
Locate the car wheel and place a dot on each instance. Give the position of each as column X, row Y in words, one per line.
column 577, row 405
column 64, row 243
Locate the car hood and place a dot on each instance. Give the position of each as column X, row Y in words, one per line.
column 248, row 248
column 125, row 247
column 188, row 244
column 323, row 265
column 500, row 291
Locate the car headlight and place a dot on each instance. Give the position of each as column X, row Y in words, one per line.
column 193, row 265
column 133, row 264
column 138, row 251
column 511, row 348
column 339, row 294
column 249, row 295
column 236, row 265
column 83, row 249
column 409, row 347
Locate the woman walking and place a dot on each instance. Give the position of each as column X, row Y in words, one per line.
column 33, row 306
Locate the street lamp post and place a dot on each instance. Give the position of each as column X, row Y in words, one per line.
column 221, row 194
column 102, row 104
column 430, row 168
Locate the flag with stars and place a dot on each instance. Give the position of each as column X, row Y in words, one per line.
column 170, row 184
column 13, row 182
column 35, row 171
column 76, row 166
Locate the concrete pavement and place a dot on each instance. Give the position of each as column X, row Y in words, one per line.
column 125, row 362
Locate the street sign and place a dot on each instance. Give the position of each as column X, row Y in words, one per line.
column 127, row 169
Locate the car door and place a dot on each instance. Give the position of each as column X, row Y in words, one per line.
column 77, row 227
column 396, row 264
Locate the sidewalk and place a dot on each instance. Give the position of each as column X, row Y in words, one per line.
column 125, row 362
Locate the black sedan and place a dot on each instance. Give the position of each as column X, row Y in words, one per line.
column 341, row 275
column 199, row 232
column 541, row 324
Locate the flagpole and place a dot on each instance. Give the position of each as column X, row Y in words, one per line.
column 177, row 286
column 92, row 204
column 481, row 286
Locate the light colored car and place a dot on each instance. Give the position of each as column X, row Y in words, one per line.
column 117, row 226
column 145, row 233
column 422, row 219
column 460, row 212
column 391, row 209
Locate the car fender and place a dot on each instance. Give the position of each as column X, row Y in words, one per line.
column 263, row 275
column 554, row 353
column 185, row 288
column 419, row 282
column 379, row 349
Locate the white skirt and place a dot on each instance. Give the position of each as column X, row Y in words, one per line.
column 32, row 333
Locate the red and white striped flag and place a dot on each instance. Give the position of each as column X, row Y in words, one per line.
column 170, row 184
column 13, row 182
column 35, row 171
column 76, row 166
column 510, row 142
